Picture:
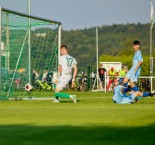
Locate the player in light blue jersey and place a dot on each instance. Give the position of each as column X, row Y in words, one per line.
column 134, row 72
column 120, row 96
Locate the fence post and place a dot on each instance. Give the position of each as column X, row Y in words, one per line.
column 89, row 77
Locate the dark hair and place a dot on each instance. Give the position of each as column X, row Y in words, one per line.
column 63, row 46
column 136, row 42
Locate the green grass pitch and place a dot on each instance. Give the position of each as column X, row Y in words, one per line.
column 94, row 120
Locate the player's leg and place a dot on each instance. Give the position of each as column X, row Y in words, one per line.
column 36, row 73
column 129, row 76
column 128, row 99
column 59, row 87
column 58, row 94
column 142, row 94
column 134, row 88
column 125, row 80
column 145, row 94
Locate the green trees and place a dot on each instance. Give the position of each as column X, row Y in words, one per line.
column 127, row 60
column 115, row 43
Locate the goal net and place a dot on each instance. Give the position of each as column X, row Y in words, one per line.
column 29, row 54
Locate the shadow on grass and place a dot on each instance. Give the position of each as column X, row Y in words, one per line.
column 69, row 135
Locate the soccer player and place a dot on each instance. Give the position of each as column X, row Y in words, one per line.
column 134, row 72
column 66, row 64
column 120, row 96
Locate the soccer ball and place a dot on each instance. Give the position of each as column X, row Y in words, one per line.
column 28, row 87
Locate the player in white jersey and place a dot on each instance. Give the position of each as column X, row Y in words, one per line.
column 66, row 64
column 134, row 72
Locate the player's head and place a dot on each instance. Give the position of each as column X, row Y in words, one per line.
column 112, row 68
column 63, row 49
column 136, row 45
column 131, row 83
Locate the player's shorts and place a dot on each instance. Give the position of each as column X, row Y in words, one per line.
column 131, row 75
column 62, row 82
column 126, row 99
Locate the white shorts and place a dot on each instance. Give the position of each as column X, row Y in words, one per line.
column 62, row 82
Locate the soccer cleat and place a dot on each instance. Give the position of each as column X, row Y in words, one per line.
column 73, row 98
column 56, row 101
column 137, row 99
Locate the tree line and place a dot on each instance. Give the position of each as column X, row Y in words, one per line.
column 115, row 44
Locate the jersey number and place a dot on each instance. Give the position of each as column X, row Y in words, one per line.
column 69, row 62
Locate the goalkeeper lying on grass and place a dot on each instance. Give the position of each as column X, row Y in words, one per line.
column 121, row 97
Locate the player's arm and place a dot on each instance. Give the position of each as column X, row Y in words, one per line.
column 74, row 75
column 138, row 65
column 60, row 69
column 60, row 64
column 75, row 72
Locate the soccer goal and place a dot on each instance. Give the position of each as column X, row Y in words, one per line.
column 29, row 54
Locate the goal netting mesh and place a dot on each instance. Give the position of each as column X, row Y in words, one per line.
column 29, row 54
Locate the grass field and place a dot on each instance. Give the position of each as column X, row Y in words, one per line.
column 94, row 120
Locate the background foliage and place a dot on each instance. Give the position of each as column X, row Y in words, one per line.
column 115, row 44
